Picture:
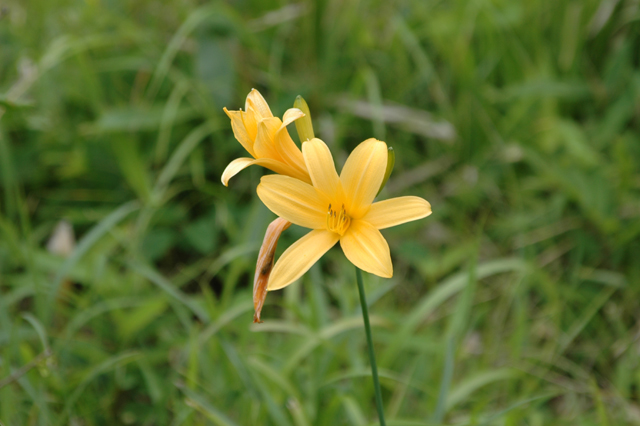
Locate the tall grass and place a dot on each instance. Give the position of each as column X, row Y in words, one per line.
column 515, row 303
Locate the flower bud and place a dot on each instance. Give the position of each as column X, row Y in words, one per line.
column 304, row 125
column 391, row 161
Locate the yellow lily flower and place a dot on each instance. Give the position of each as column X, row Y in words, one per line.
column 338, row 208
column 266, row 138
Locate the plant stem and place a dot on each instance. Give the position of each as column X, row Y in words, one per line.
column 372, row 356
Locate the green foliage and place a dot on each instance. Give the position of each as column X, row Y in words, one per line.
column 515, row 303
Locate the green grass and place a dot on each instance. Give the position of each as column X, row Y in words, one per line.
column 515, row 303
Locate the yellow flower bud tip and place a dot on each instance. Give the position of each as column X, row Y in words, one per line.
column 301, row 104
column 304, row 126
column 391, row 161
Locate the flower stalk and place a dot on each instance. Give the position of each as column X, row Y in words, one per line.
column 372, row 356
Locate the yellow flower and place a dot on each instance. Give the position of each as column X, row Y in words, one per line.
column 266, row 138
column 338, row 208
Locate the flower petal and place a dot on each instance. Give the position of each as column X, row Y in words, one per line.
column 285, row 146
column 240, row 130
column 257, row 102
column 289, row 152
column 366, row 248
column 282, row 169
column 296, row 201
column 234, row 168
column 264, row 145
column 276, row 166
column 265, row 264
column 250, row 121
column 395, row 211
column 321, row 169
column 300, row 256
column 362, row 175
column 291, row 115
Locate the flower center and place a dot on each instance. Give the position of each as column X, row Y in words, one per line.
column 338, row 221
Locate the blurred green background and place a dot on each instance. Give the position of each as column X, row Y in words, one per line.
column 515, row 303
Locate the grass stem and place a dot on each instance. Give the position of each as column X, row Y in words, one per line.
column 372, row 356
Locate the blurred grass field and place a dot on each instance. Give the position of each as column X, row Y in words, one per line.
column 515, row 303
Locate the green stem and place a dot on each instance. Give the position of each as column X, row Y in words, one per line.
column 372, row 356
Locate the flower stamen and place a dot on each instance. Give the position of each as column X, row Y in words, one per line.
column 338, row 221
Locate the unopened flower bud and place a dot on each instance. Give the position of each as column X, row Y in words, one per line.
column 391, row 161
column 304, row 125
